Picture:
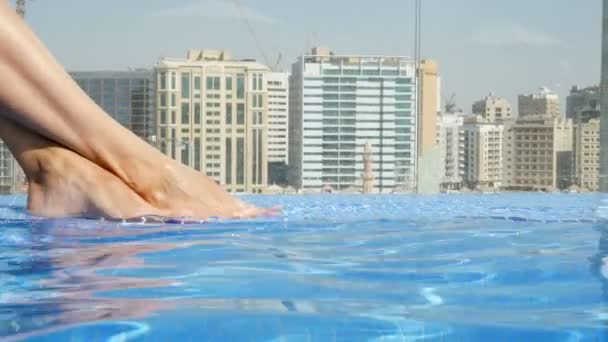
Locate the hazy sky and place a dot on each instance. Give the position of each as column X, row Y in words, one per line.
column 508, row 47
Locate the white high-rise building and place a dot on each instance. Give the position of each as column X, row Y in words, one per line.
column 278, row 127
column 337, row 105
column 212, row 114
column 483, row 153
column 278, row 116
column 451, row 146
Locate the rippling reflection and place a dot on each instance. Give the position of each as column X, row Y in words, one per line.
column 68, row 262
column 473, row 268
column 599, row 268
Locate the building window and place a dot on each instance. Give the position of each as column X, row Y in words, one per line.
column 254, row 160
column 213, row 83
column 173, row 118
column 173, row 100
column 240, row 161
column 163, row 80
column 260, row 81
column 228, row 113
column 240, row 114
column 229, row 83
column 163, row 117
column 228, row 161
column 197, row 113
column 173, row 143
column 240, row 86
column 185, row 148
column 197, row 83
column 173, row 81
column 260, row 151
column 197, row 154
column 185, row 85
column 163, row 99
column 185, row 113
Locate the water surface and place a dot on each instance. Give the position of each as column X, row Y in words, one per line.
column 511, row 267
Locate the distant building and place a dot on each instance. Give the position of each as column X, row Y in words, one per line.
column 128, row 96
column 212, row 115
column 11, row 175
column 429, row 105
column 583, row 107
column 583, row 103
column 451, row 147
column 337, row 105
column 483, row 153
column 278, row 127
column 429, row 159
column 587, row 154
column 493, row 108
column 507, row 152
column 542, row 103
column 540, row 156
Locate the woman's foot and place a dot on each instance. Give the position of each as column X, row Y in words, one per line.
column 62, row 183
column 184, row 192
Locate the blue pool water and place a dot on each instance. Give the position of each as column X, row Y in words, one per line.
column 512, row 267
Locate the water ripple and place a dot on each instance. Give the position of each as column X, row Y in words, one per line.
column 470, row 267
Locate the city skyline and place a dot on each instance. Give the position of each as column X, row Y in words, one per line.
column 508, row 48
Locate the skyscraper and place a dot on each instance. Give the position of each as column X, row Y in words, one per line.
column 212, row 115
column 429, row 105
column 337, row 105
column 128, row 96
column 429, row 175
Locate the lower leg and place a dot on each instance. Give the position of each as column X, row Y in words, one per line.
column 42, row 97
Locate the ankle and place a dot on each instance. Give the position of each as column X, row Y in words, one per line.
column 40, row 165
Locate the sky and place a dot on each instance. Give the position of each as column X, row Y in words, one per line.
column 482, row 46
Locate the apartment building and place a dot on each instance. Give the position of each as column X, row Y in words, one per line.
column 338, row 103
column 212, row 115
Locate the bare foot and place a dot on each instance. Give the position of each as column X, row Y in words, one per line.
column 66, row 184
column 184, row 192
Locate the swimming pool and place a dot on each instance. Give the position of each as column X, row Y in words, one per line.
column 508, row 267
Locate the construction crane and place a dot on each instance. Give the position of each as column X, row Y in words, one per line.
column 450, row 104
column 21, row 8
column 256, row 41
